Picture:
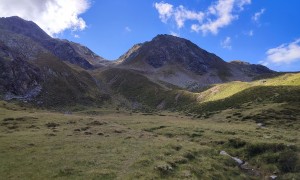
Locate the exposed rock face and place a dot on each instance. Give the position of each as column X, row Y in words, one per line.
column 129, row 55
column 250, row 69
column 29, row 39
column 17, row 76
column 168, row 50
column 179, row 62
column 90, row 56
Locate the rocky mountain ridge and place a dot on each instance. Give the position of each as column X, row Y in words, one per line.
column 182, row 63
column 53, row 71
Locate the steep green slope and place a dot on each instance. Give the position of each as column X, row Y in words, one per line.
column 258, row 95
column 64, row 86
column 274, row 101
column 221, row 91
column 142, row 92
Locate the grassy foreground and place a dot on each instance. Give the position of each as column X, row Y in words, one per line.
column 104, row 144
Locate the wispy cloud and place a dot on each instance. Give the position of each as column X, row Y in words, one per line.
column 53, row 16
column 222, row 10
column 174, row 34
column 128, row 29
column 226, row 43
column 180, row 14
column 242, row 3
column 165, row 10
column 284, row 54
column 218, row 15
column 257, row 15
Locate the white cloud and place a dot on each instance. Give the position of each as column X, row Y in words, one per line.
column 223, row 11
column 195, row 27
column 165, row 10
column 53, row 16
column 128, row 29
column 182, row 14
column 284, row 54
column 174, row 34
column 242, row 3
column 226, row 43
column 218, row 15
column 257, row 15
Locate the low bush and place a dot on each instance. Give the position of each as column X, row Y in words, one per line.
column 236, row 143
column 288, row 161
column 260, row 148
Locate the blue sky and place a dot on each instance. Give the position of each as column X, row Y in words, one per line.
column 256, row 31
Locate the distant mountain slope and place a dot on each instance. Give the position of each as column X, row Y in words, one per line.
column 46, row 81
column 165, row 73
column 180, row 62
column 63, row 86
column 133, row 90
column 32, row 67
column 14, row 31
column 275, row 100
column 167, row 50
column 221, row 91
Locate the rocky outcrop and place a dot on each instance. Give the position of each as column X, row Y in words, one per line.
column 250, row 69
column 17, row 77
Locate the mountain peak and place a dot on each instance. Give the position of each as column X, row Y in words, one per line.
column 166, row 37
column 20, row 26
column 165, row 50
column 170, row 39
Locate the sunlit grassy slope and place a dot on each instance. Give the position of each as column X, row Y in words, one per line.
column 282, row 89
column 225, row 90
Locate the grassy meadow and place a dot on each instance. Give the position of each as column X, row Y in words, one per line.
column 118, row 144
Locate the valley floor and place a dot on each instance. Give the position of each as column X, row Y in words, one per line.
column 105, row 144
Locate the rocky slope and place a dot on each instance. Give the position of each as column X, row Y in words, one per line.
column 160, row 73
column 18, row 78
column 180, row 62
column 168, row 50
column 29, row 39
column 32, row 67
